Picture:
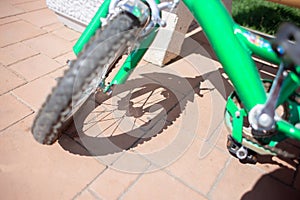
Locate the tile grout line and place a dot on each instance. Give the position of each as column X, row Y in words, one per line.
column 23, row 40
column 169, row 173
column 14, row 123
column 23, row 59
column 9, row 67
column 46, row 74
column 57, row 22
column 18, row 3
column 17, row 19
column 14, row 15
column 88, row 185
column 94, row 194
column 134, row 183
column 27, row 82
column 22, row 101
column 54, row 29
column 219, row 178
column 10, row 90
column 183, row 182
column 29, row 11
column 62, row 54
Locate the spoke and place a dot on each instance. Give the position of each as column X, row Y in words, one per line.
column 120, row 120
column 111, row 126
column 109, row 104
column 104, row 111
column 133, row 124
column 147, row 98
column 96, row 120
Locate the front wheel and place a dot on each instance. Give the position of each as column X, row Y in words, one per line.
column 83, row 77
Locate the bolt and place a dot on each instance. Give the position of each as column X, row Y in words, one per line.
column 238, row 114
column 265, row 120
column 242, row 153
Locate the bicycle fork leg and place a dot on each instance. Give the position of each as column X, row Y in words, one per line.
column 131, row 62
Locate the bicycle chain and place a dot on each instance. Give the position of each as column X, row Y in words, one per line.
column 275, row 150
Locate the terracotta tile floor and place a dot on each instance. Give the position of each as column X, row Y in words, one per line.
column 175, row 150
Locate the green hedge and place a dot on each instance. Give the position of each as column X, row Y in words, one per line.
column 262, row 15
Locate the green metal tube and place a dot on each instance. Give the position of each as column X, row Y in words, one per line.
column 92, row 27
column 257, row 44
column 237, row 62
column 133, row 59
column 290, row 84
column 288, row 129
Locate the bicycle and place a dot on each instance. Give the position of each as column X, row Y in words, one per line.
column 250, row 114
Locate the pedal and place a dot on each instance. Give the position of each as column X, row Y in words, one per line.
column 239, row 151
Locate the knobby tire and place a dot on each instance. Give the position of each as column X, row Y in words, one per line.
column 91, row 63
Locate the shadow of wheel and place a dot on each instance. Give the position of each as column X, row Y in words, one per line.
column 134, row 113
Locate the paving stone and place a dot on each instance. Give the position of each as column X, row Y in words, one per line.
column 222, row 139
column 64, row 58
column 162, row 186
column 50, row 45
column 236, row 180
column 67, row 170
column 130, row 162
column 7, row 10
column 35, row 67
column 167, row 142
column 12, row 110
column 17, row 31
column 35, row 18
column 34, row 93
column 53, row 27
column 8, row 20
column 67, row 34
column 18, row 1
column 158, row 142
column 58, row 73
column 199, row 172
column 86, row 195
column 31, row 6
column 15, row 53
column 33, row 171
column 119, row 180
column 9, row 80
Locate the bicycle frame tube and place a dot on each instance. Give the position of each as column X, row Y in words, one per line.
column 235, row 53
column 262, row 48
column 256, row 44
column 234, row 56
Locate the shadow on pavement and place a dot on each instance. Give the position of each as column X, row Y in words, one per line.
column 155, row 101
column 269, row 186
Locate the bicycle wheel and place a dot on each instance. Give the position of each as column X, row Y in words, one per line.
column 83, row 77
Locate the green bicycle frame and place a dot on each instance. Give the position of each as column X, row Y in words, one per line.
column 234, row 52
